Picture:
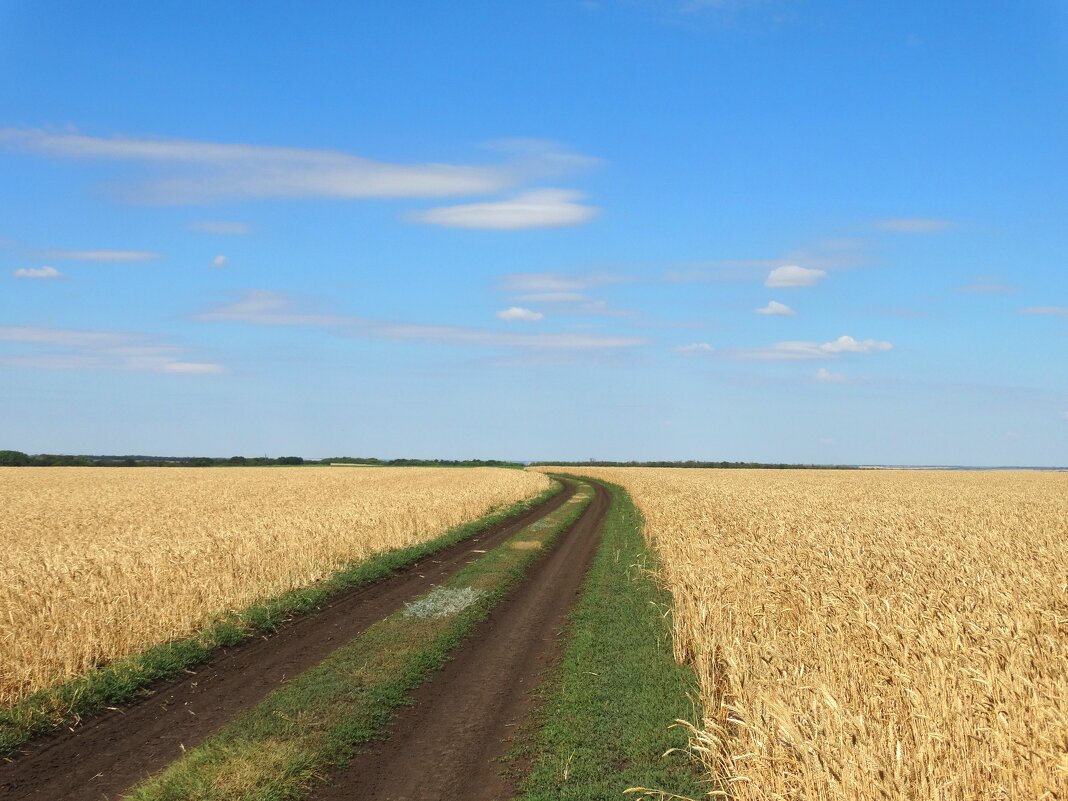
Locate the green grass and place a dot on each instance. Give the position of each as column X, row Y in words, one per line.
column 276, row 751
column 605, row 724
column 121, row 681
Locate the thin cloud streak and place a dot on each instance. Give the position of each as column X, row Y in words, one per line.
column 100, row 255
column 542, row 208
column 1054, row 311
column 37, row 273
column 264, row 307
column 64, row 348
column 207, row 171
column 222, row 228
column 913, row 225
column 803, row 350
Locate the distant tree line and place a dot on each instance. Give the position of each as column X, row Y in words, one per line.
column 20, row 459
column 693, row 463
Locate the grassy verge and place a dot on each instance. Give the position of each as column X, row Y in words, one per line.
column 275, row 751
column 119, row 682
column 604, row 726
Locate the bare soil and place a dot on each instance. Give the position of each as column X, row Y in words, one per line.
column 113, row 752
column 449, row 743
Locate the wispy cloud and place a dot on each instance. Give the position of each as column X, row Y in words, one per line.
column 206, row 171
column 694, row 348
column 987, row 286
column 64, row 348
column 100, row 255
column 827, row 377
column 37, row 273
column 792, row 275
column 219, row 262
column 221, row 227
column 519, row 313
column 541, row 208
column 557, row 282
column 775, row 308
column 1052, row 311
column 913, row 225
column 263, row 307
column 802, row 350
column 568, row 294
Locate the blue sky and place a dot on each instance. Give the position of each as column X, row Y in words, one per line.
column 782, row 231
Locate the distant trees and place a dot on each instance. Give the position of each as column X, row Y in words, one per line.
column 14, row 459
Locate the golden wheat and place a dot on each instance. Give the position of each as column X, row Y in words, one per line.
column 871, row 634
column 96, row 563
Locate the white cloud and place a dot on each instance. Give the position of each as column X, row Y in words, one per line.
column 263, row 307
column 100, row 255
column 209, row 170
column 37, row 272
column 913, row 225
column 540, row 208
column 845, row 344
column 1054, row 311
column 791, row 275
column 1065, row 415
column 825, row 375
column 519, row 313
column 219, row 261
column 777, row 309
column 800, row 350
column 221, row 227
column 694, row 348
column 64, row 348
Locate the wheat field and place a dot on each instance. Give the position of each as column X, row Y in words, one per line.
column 863, row 635
column 97, row 563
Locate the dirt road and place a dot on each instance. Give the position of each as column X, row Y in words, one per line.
column 447, row 745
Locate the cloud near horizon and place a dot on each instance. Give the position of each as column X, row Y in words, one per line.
column 64, row 348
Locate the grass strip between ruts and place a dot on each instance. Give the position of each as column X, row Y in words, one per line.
column 606, row 721
column 121, row 681
column 277, row 750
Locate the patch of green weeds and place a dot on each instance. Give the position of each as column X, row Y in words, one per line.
column 606, row 724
